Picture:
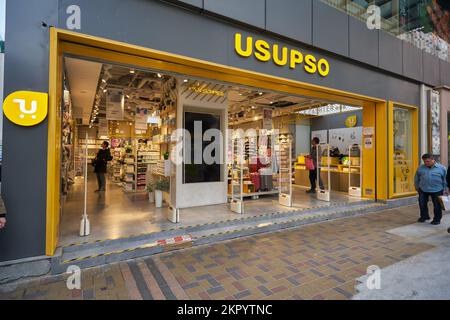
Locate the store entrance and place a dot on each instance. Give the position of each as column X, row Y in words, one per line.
column 302, row 122
column 132, row 115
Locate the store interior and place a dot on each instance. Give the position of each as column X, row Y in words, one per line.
column 137, row 111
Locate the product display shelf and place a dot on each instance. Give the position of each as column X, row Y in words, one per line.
column 138, row 167
column 285, row 172
column 129, row 171
column 161, row 168
column 268, row 181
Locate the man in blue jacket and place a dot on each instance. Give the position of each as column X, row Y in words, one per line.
column 430, row 181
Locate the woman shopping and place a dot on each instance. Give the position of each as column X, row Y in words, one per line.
column 314, row 172
column 100, row 164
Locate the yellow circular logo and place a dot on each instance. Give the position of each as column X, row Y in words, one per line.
column 26, row 108
column 351, row 121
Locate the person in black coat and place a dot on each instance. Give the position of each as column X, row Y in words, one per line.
column 448, row 185
column 2, row 214
column 101, row 163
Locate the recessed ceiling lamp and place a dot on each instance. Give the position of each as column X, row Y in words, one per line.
column 105, row 90
column 132, row 71
column 159, row 75
column 103, row 80
column 186, row 80
column 260, row 93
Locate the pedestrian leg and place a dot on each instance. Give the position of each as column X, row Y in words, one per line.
column 312, row 179
column 99, row 182
column 437, row 206
column 320, row 180
column 423, row 204
column 103, row 181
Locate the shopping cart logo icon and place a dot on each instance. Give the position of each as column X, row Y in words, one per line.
column 26, row 108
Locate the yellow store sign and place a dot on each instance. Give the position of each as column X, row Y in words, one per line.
column 26, row 108
column 281, row 56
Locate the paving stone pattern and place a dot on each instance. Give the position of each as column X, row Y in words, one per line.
column 319, row 261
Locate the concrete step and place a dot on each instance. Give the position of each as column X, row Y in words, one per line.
column 96, row 253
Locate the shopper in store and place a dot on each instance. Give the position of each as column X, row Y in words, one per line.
column 314, row 173
column 2, row 214
column 100, row 164
column 430, row 181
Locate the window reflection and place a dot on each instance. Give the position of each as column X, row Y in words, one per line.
column 403, row 155
column 423, row 23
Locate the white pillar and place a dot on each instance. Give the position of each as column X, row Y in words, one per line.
column 424, row 119
column 445, row 108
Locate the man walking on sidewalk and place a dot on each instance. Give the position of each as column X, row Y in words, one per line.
column 430, row 181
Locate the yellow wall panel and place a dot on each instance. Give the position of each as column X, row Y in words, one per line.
column 382, row 151
column 369, row 154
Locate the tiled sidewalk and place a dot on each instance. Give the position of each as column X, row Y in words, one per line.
column 319, row 261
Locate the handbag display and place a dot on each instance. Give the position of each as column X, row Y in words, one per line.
column 355, row 152
column 309, row 164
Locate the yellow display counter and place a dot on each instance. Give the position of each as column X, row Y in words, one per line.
column 339, row 179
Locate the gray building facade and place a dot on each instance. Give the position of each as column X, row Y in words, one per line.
column 362, row 61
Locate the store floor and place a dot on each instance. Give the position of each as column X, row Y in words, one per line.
column 115, row 214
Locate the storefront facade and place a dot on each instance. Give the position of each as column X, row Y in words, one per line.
column 257, row 48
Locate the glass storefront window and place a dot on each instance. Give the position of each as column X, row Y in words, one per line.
column 423, row 23
column 403, row 174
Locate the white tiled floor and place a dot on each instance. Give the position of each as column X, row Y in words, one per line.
column 115, row 214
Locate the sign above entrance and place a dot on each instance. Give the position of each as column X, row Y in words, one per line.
column 26, row 108
column 265, row 52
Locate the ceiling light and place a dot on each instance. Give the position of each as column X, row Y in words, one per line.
column 185, row 80
column 260, row 93
column 132, row 71
column 103, row 80
column 159, row 75
column 105, row 90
